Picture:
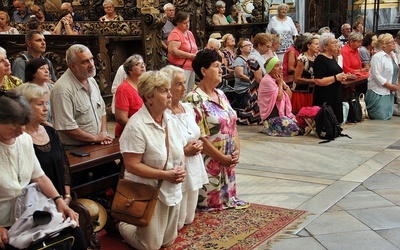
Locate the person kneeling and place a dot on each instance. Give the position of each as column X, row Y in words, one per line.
column 274, row 102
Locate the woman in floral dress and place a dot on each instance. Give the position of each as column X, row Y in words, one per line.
column 217, row 122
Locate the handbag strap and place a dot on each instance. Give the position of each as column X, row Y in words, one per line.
column 166, row 161
column 122, row 165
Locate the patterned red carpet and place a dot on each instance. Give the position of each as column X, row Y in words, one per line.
column 228, row 229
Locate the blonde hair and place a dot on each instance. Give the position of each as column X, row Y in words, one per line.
column 150, row 81
column 380, row 43
column 31, row 91
column 224, row 38
column 7, row 16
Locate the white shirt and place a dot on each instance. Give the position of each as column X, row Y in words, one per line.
column 142, row 135
column 254, row 54
column 381, row 72
column 120, row 76
column 397, row 52
column 340, row 61
column 286, row 30
column 196, row 175
column 20, row 160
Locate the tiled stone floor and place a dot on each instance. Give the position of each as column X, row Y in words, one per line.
column 350, row 187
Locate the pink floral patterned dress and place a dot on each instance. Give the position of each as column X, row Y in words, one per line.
column 217, row 123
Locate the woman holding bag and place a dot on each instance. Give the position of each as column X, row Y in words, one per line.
column 145, row 151
column 20, row 167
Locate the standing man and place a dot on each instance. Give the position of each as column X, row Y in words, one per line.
column 22, row 13
column 346, row 30
column 169, row 10
column 35, row 47
column 78, row 108
column 75, row 16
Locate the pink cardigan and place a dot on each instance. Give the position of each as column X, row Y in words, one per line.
column 267, row 98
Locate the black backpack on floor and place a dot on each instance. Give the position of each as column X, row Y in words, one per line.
column 327, row 125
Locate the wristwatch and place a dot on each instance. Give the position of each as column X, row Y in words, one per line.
column 57, row 197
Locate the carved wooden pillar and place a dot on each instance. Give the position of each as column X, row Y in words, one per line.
column 103, row 66
column 152, row 37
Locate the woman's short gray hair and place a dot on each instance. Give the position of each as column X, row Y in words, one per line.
column 131, row 61
column 325, row 29
column 73, row 50
column 220, row 4
column 283, row 5
column 150, row 81
column 3, row 52
column 324, row 39
column 172, row 71
column 31, row 91
column 355, row 36
column 108, row 2
column 168, row 5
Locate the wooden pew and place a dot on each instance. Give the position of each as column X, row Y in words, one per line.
column 359, row 84
column 99, row 154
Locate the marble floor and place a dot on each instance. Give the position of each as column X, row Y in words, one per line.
column 350, row 187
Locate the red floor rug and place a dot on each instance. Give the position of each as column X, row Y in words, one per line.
column 228, row 229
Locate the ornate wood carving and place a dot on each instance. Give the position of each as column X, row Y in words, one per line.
column 152, row 25
column 56, row 48
column 119, row 39
column 116, row 28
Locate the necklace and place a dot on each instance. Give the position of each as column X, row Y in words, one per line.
column 182, row 118
column 40, row 140
column 40, row 136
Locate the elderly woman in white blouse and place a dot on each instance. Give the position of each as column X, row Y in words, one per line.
column 196, row 175
column 383, row 80
column 285, row 27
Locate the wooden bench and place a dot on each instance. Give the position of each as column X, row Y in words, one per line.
column 99, row 155
column 360, row 85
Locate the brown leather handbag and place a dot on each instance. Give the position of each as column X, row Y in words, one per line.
column 134, row 202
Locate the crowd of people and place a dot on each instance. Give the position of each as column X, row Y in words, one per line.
column 167, row 117
column 33, row 16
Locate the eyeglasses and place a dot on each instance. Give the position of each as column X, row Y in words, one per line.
column 140, row 64
column 250, row 45
column 390, row 42
column 170, row 10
